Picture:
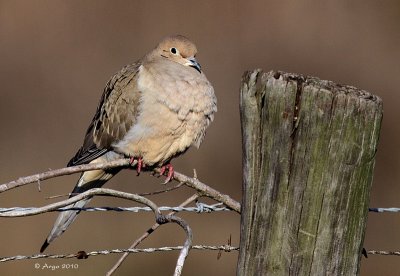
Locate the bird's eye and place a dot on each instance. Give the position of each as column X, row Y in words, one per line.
column 174, row 50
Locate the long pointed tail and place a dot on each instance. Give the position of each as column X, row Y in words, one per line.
column 88, row 180
column 62, row 223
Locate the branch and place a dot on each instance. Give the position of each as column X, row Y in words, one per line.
column 199, row 208
column 191, row 182
column 188, row 242
column 89, row 193
column 160, row 218
column 146, row 234
column 202, row 188
column 63, row 171
column 206, row 190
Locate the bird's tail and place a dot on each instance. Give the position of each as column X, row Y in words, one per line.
column 87, row 181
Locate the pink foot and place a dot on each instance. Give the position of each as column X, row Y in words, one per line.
column 170, row 174
column 139, row 164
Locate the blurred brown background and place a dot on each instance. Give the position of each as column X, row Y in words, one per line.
column 56, row 56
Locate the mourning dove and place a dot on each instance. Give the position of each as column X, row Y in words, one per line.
column 152, row 110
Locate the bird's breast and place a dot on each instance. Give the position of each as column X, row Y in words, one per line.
column 174, row 111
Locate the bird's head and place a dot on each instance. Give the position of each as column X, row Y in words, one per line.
column 178, row 49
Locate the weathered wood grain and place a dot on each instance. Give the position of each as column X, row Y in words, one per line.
column 308, row 157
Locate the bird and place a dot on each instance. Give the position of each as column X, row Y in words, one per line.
column 151, row 111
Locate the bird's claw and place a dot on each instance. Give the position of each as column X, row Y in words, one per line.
column 170, row 174
column 139, row 164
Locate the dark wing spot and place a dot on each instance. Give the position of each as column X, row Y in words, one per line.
column 98, row 125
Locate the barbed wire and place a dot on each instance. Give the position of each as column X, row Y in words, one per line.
column 387, row 253
column 200, row 208
column 192, row 182
column 382, row 252
column 382, row 210
column 84, row 255
column 182, row 179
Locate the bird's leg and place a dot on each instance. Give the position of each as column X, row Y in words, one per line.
column 170, row 174
column 139, row 164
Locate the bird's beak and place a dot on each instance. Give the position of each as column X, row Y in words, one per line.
column 192, row 62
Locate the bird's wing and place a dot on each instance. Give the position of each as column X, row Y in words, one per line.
column 115, row 114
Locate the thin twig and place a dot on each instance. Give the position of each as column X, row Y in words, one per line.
column 163, row 190
column 177, row 186
column 64, row 195
column 206, row 190
column 146, row 234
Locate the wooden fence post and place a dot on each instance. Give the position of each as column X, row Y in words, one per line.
column 308, row 157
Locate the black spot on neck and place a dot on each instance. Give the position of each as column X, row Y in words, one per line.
column 195, row 67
